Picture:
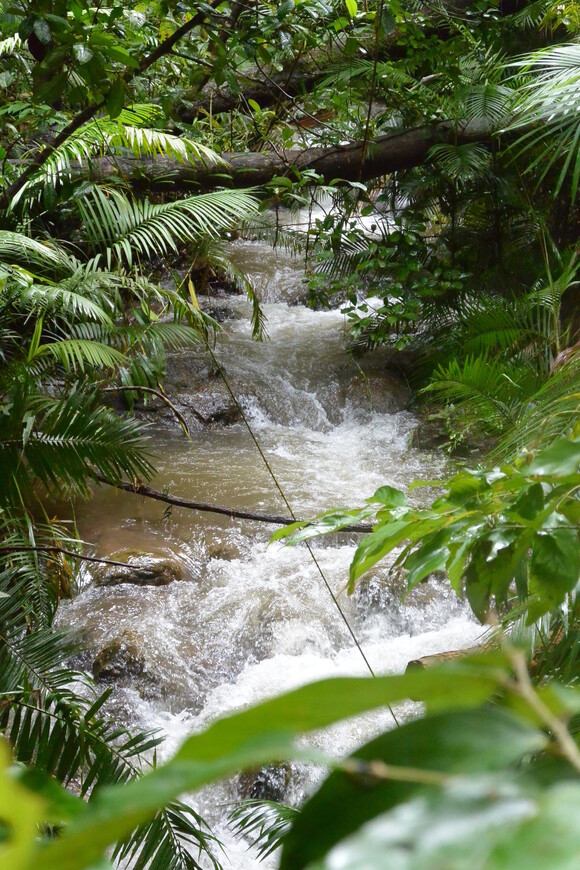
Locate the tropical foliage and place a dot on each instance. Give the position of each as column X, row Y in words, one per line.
column 467, row 263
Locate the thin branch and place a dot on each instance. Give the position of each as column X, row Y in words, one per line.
column 53, row 549
column 234, row 513
column 525, row 690
column 160, row 395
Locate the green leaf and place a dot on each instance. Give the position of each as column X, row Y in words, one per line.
column 51, row 89
column 550, row 835
column 257, row 736
column 466, row 742
column 116, row 98
column 121, row 55
column 389, row 496
column 559, row 459
column 376, row 546
column 351, row 7
column 554, row 569
column 431, row 556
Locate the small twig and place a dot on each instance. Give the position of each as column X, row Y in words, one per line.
column 160, row 395
column 382, row 771
column 156, row 495
column 53, row 549
column 524, row 688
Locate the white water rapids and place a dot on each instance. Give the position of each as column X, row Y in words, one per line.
column 251, row 620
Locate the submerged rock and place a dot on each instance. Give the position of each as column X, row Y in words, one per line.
column 120, row 657
column 156, row 568
column 269, row 783
column 381, row 392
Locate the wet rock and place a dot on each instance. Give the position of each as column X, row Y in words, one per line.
column 381, row 392
column 188, row 371
column 223, row 550
column 212, row 404
column 120, row 657
column 156, row 568
column 429, row 435
column 269, row 783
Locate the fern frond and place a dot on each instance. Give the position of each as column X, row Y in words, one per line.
column 265, row 823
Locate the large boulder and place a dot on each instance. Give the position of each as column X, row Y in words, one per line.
column 154, row 568
column 210, row 404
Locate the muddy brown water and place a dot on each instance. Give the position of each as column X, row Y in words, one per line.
column 248, row 619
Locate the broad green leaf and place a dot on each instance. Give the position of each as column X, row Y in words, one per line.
column 351, row 8
column 21, row 812
column 453, row 743
column 559, row 459
column 530, row 502
column 49, row 90
column 262, row 734
column 431, row 556
column 389, row 496
column 549, row 837
column 116, row 98
column 376, row 546
column 121, row 55
column 554, row 569
column 322, row 525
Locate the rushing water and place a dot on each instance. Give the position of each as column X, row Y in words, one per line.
column 249, row 620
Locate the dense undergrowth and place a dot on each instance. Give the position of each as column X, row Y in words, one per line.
column 470, row 271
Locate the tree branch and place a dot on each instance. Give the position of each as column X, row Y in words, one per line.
column 53, row 549
column 234, row 513
column 160, row 395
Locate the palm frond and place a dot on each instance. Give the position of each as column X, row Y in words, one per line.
column 119, row 225
column 65, row 444
column 171, row 842
column 488, row 101
column 47, row 258
column 480, row 390
column 10, row 45
column 104, row 136
column 264, row 822
column 462, row 163
column 550, row 102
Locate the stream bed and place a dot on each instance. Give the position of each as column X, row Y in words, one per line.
column 247, row 620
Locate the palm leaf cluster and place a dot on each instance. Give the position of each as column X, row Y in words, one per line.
column 265, row 823
column 549, row 104
column 507, row 372
column 78, row 318
column 132, row 130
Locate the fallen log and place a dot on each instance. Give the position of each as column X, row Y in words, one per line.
column 402, row 149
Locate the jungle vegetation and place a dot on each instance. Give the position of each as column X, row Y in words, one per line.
column 132, row 138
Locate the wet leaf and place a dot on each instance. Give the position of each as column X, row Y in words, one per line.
column 452, row 743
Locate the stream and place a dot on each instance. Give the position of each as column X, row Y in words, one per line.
column 249, row 620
